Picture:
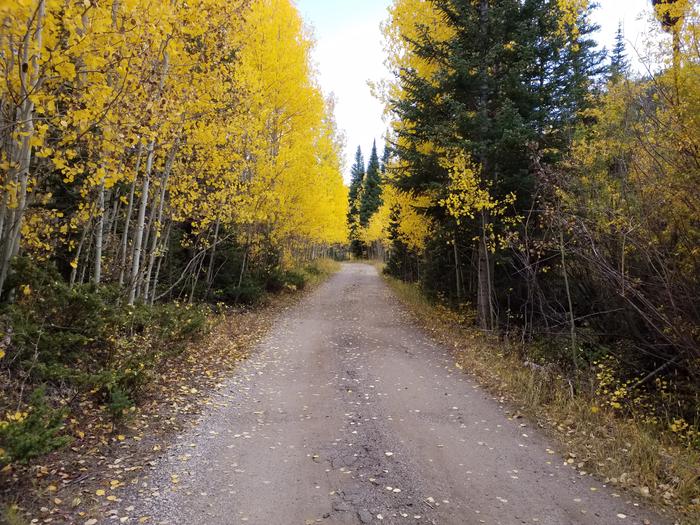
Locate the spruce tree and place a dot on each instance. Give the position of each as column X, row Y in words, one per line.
column 386, row 156
column 357, row 177
column 509, row 82
column 371, row 198
column 619, row 66
column 354, row 197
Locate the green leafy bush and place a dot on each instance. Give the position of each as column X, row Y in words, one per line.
column 86, row 338
column 29, row 434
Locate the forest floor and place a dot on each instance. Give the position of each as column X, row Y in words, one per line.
column 346, row 412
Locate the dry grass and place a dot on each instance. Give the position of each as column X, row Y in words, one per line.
column 626, row 453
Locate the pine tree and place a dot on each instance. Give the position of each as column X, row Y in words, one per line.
column 503, row 87
column 371, row 198
column 354, row 198
column 619, row 65
column 386, row 156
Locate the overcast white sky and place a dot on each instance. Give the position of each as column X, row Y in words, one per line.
column 349, row 52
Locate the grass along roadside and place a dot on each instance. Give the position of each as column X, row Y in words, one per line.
column 626, row 453
column 103, row 456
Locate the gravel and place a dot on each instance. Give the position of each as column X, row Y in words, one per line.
column 347, row 413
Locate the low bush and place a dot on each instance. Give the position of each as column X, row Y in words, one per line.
column 31, row 433
column 85, row 339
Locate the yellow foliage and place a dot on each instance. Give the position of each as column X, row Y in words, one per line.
column 234, row 129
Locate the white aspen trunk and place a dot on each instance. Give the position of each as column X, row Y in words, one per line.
column 138, row 252
column 166, row 241
column 74, row 271
column 29, row 80
column 159, row 216
column 212, row 256
column 99, row 233
column 127, row 220
column 140, row 225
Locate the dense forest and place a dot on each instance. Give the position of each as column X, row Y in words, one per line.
column 539, row 185
column 155, row 156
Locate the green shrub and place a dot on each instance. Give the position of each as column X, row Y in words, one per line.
column 26, row 435
column 119, row 402
column 295, row 279
column 51, row 322
column 85, row 337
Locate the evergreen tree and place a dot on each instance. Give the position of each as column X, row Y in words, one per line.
column 619, row 66
column 509, row 81
column 357, row 177
column 371, row 198
column 385, row 158
column 401, row 262
column 354, row 197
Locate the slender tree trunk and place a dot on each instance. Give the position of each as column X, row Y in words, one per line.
column 83, row 268
column 572, row 322
column 212, row 256
column 159, row 216
column 485, row 283
column 112, row 222
column 140, row 225
column 166, row 242
column 195, row 279
column 74, row 270
column 3, row 215
column 243, row 267
column 99, row 233
column 458, row 280
column 138, row 242
column 29, row 81
column 127, row 220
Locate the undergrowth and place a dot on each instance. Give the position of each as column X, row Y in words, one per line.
column 64, row 347
column 628, row 448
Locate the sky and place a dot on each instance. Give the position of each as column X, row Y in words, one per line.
column 349, row 53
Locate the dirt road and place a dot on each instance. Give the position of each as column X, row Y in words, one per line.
column 348, row 414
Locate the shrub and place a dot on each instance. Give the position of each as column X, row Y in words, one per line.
column 296, row 279
column 26, row 435
column 85, row 338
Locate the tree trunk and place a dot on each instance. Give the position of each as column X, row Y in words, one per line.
column 159, row 216
column 485, row 279
column 74, row 270
column 25, row 121
column 140, row 225
column 166, row 241
column 99, row 233
column 212, row 256
column 572, row 322
column 127, row 220
column 458, row 274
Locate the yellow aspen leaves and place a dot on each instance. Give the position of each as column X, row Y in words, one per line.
column 208, row 112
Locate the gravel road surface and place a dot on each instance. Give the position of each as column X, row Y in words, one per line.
column 349, row 414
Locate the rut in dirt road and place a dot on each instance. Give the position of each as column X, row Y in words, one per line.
column 349, row 414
